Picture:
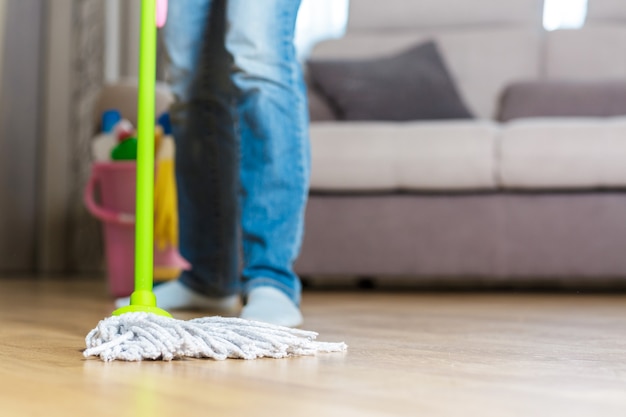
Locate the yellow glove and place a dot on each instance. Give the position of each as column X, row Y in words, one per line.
column 165, row 197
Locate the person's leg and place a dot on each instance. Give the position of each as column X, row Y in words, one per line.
column 207, row 156
column 274, row 153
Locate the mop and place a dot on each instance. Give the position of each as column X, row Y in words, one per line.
column 141, row 330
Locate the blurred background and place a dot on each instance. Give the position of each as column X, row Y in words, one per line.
column 55, row 57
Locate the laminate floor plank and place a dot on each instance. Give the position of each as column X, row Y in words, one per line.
column 410, row 354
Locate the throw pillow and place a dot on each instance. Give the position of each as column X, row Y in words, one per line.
column 413, row 85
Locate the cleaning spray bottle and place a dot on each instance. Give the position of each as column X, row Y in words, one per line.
column 104, row 141
column 113, row 130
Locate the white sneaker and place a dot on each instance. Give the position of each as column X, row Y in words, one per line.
column 173, row 295
column 270, row 305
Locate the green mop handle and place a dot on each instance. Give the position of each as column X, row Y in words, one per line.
column 143, row 299
column 144, row 231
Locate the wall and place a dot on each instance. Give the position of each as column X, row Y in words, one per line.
column 88, row 78
column 68, row 237
column 19, row 132
column 121, row 39
column 2, row 28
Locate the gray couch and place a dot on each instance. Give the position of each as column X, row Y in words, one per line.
column 531, row 190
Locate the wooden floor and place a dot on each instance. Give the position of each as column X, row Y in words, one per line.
column 410, row 354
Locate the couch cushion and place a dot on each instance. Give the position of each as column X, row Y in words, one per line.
column 594, row 52
column 402, row 14
column 385, row 156
column 413, row 85
column 563, row 154
column 563, row 98
column 481, row 61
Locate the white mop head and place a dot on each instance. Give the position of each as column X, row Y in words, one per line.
column 137, row 336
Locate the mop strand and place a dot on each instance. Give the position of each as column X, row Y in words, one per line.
column 138, row 336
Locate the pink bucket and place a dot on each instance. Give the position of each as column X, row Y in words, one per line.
column 115, row 182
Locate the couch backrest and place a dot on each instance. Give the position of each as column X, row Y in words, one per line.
column 486, row 44
column 369, row 15
column 606, row 11
column 595, row 52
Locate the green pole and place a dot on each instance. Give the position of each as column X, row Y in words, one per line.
column 143, row 298
column 145, row 149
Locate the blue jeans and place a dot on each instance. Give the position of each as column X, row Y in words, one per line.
column 241, row 129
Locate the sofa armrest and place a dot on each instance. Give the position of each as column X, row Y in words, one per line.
column 563, row 99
